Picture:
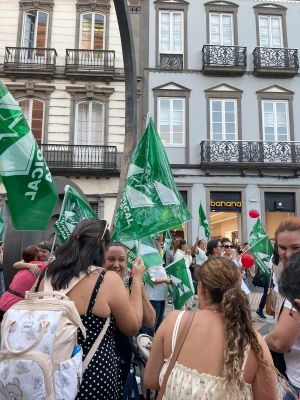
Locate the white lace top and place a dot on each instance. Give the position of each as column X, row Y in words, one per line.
column 188, row 384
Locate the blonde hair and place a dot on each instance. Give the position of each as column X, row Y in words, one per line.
column 288, row 224
column 178, row 244
column 222, row 280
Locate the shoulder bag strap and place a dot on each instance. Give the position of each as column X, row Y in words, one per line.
column 95, row 346
column 175, row 354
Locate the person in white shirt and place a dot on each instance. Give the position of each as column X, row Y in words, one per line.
column 199, row 249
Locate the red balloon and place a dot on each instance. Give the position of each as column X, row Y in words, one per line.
column 247, row 260
column 253, row 214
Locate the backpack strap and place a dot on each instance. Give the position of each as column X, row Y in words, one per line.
column 73, row 282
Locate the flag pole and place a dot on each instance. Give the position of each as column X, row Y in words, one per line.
column 62, row 207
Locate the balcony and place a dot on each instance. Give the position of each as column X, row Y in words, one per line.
column 171, row 61
column 97, row 64
column 224, row 60
column 81, row 159
column 275, row 62
column 251, row 154
column 27, row 61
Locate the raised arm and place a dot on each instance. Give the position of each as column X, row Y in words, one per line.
column 148, row 311
column 127, row 311
column 34, row 268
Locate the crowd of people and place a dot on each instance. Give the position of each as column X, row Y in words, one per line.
column 209, row 352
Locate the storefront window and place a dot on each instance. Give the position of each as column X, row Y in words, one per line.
column 278, row 206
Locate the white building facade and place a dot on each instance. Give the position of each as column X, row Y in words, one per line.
column 221, row 81
column 62, row 61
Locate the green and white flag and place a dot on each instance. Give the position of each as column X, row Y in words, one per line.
column 2, row 227
column 150, row 201
column 257, row 233
column 167, row 241
column 182, row 287
column 262, row 252
column 73, row 210
column 203, row 221
column 148, row 252
column 31, row 193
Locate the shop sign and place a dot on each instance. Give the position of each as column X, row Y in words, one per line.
column 226, row 201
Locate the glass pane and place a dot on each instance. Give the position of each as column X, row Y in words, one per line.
column 215, row 37
column 281, row 118
column 230, row 128
column 164, row 132
column 177, row 134
column 217, row 116
column 217, row 128
column 264, row 32
column 164, row 112
column 165, row 32
column 282, row 138
column 216, row 105
column 229, row 106
column 276, row 32
column 217, row 136
column 282, row 130
column 86, row 31
column 99, row 32
column 229, row 117
column 177, row 33
column 97, row 124
column 24, row 104
column 227, row 30
column 29, row 29
column 230, row 136
column 269, row 119
column 268, row 106
column 41, row 38
column 281, row 107
column 81, row 136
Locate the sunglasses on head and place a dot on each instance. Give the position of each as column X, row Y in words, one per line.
column 227, row 246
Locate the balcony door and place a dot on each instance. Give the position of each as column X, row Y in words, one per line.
column 223, row 119
column 34, row 37
column 92, row 37
column 221, row 29
column 275, row 120
column 270, row 31
column 34, row 111
column 171, row 39
column 89, row 131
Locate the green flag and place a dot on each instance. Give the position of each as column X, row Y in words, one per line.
column 2, row 227
column 262, row 252
column 73, row 210
column 203, row 221
column 150, row 201
column 182, row 287
column 148, row 252
column 30, row 190
column 167, row 241
column 257, row 233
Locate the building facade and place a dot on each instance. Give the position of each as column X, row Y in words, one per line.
column 221, row 81
column 62, row 61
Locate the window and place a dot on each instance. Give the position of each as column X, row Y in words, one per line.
column 33, row 110
column 275, row 120
column 221, row 29
column 171, row 120
column 35, row 29
column 171, row 32
column 92, row 28
column 223, row 119
column 270, row 31
column 89, row 124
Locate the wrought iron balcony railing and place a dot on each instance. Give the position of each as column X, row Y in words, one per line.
column 90, row 60
column 65, row 156
column 27, row 58
column 275, row 61
column 251, row 153
column 224, row 59
column 171, row 61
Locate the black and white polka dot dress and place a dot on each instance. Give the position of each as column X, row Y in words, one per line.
column 102, row 378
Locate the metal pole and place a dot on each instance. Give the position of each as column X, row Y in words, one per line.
column 130, row 91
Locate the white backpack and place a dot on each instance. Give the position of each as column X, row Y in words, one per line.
column 40, row 358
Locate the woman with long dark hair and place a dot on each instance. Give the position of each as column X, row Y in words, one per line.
column 97, row 295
